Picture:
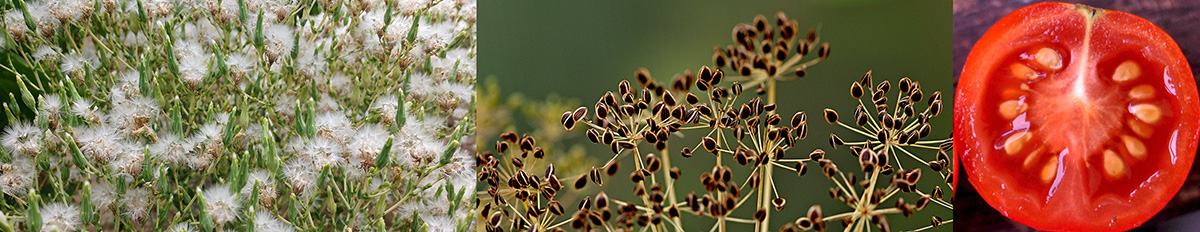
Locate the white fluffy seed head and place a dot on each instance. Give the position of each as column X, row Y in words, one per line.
column 75, row 63
column 137, row 203
column 23, row 139
column 182, row 227
column 221, row 204
column 279, row 39
column 45, row 52
column 18, row 176
column 50, row 104
column 103, row 195
column 59, row 216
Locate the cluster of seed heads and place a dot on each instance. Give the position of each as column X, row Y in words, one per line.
column 237, row 115
column 890, row 132
column 639, row 119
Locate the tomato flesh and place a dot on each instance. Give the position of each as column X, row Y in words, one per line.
column 1074, row 118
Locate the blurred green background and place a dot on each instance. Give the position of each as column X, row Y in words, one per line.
column 577, row 50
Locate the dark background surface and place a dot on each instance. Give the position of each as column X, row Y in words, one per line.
column 1179, row 18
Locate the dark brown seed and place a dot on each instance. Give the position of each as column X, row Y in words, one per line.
column 710, row 144
column 612, row 167
column 527, row 143
column 586, row 203
column 801, row 169
column 593, row 136
column 814, row 213
column 804, row 223
column 781, row 53
column 668, row 99
column 608, row 137
column 716, row 77
column 518, row 163
column 595, row 175
column 884, row 86
column 760, row 214
column 636, row 176
column 719, row 60
column 936, row 108
column 800, row 71
column 623, row 87
column 653, row 163
column 802, row 131
column 831, row 116
column 905, row 83
column 501, row 147
column 935, row 165
column 798, row 119
column 643, row 77
column 581, row 182
column 824, row 52
column 494, row 220
column 555, row 208
column 692, row 99
column 538, row 153
column 816, row 154
column 626, row 144
column 675, row 173
column 686, row 152
column 834, row 141
column 856, row 90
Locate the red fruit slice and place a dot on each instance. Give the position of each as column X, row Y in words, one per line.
column 1069, row 117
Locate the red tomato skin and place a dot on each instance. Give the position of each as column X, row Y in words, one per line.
column 1012, row 31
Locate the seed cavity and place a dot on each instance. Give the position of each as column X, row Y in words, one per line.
column 1011, row 108
column 1114, row 167
column 1023, row 72
column 1140, row 128
column 1050, row 170
column 1146, row 112
column 1136, row 148
column 1127, row 71
column 1141, row 92
column 1049, row 58
column 1015, row 142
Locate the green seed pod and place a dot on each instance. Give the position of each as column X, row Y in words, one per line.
column 29, row 22
column 25, row 94
column 412, row 31
column 382, row 159
column 449, row 153
column 206, row 220
column 88, row 212
column 33, row 215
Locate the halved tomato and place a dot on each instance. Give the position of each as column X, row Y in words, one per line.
column 1069, row 117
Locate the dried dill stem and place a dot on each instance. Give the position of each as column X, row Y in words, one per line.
column 638, row 119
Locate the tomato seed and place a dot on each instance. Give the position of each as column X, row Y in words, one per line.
column 1011, row 108
column 1141, row 92
column 1023, row 71
column 1114, row 167
column 1050, row 170
column 1140, row 128
column 1147, row 113
column 1048, row 58
column 1135, row 147
column 1127, row 71
column 1015, row 142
